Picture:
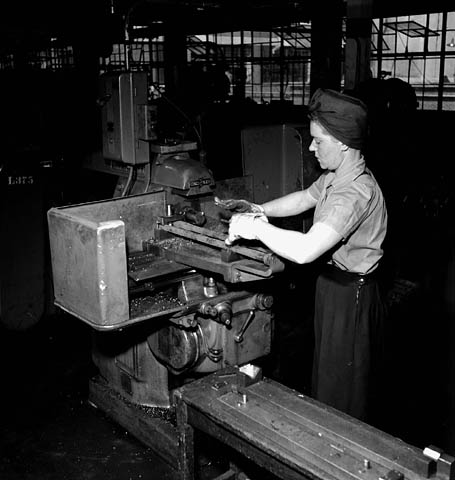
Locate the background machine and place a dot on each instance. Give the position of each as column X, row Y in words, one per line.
column 148, row 270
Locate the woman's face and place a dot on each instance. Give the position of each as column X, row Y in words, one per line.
column 327, row 149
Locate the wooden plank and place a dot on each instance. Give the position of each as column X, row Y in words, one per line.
column 186, row 439
column 156, row 433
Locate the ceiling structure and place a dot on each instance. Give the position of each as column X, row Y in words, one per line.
column 33, row 24
column 30, row 24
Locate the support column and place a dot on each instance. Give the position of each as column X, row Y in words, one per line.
column 358, row 42
column 326, row 31
column 174, row 61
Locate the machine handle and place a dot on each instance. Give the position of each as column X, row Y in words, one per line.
column 238, row 337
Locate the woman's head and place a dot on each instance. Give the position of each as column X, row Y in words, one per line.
column 342, row 116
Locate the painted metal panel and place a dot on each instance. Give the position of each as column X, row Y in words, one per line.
column 89, row 246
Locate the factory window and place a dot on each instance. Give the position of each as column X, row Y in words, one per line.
column 264, row 66
column 53, row 58
column 419, row 49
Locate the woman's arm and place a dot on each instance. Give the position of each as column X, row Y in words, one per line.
column 291, row 204
column 295, row 246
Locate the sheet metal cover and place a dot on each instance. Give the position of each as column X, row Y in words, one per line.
column 89, row 244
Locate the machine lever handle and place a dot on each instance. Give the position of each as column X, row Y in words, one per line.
column 239, row 336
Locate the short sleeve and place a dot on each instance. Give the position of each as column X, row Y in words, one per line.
column 345, row 209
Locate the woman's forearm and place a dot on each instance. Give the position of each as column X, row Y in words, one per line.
column 289, row 205
column 296, row 246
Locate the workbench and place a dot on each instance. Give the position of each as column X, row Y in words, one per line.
column 291, row 435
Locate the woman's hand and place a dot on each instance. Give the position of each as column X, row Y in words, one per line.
column 244, row 225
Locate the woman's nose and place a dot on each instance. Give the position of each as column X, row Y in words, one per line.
column 312, row 147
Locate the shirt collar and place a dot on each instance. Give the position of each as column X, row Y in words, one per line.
column 348, row 171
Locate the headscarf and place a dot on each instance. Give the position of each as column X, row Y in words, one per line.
column 344, row 117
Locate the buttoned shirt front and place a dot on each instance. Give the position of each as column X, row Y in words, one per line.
column 350, row 201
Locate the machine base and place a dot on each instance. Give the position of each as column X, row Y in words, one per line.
column 153, row 427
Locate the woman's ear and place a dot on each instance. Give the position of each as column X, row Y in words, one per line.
column 344, row 148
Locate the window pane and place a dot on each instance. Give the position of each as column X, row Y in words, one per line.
column 435, row 23
column 448, row 92
column 374, row 68
column 416, row 49
column 427, row 90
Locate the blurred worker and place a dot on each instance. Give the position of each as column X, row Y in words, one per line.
column 349, row 226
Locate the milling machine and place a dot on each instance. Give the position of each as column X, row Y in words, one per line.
column 149, row 271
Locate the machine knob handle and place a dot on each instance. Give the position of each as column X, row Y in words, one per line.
column 224, row 310
column 263, row 302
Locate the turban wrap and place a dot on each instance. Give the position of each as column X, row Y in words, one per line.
column 344, row 117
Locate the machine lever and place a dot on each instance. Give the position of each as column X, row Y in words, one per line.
column 239, row 336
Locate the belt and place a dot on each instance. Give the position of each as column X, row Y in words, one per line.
column 345, row 277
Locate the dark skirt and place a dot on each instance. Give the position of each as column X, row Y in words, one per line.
column 349, row 317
